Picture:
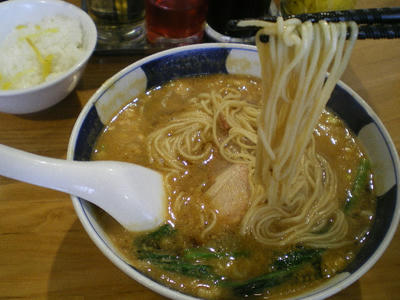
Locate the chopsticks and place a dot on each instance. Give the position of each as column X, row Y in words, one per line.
column 374, row 23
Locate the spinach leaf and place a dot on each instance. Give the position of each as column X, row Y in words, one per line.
column 359, row 184
column 284, row 268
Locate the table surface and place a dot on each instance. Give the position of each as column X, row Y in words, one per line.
column 45, row 252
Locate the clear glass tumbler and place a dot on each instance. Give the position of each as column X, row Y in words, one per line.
column 118, row 21
column 175, row 22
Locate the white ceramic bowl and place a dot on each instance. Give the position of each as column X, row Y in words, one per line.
column 238, row 59
column 40, row 97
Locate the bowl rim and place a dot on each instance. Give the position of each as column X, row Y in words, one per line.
column 135, row 274
column 92, row 38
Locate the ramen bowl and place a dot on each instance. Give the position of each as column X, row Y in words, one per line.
column 205, row 59
column 37, row 96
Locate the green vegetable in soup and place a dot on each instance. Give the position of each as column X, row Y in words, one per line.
column 197, row 262
column 153, row 239
column 150, row 249
column 199, row 253
column 261, row 283
column 284, row 268
column 295, row 258
column 177, row 264
column 359, row 185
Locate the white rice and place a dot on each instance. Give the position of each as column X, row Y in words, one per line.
column 58, row 39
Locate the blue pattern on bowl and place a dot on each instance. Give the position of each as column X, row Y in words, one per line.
column 357, row 117
column 90, row 130
column 386, row 206
column 343, row 104
column 184, row 64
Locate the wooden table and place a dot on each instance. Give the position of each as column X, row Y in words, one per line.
column 44, row 251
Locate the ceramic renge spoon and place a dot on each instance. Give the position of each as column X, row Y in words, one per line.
column 132, row 194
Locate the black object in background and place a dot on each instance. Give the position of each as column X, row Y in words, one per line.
column 221, row 11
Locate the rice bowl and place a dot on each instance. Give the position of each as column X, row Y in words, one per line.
column 34, row 53
column 44, row 89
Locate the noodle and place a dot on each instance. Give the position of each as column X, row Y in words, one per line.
column 297, row 200
column 293, row 189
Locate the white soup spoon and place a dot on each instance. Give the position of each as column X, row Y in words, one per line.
column 133, row 195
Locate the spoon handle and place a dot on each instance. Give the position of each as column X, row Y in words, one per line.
column 43, row 171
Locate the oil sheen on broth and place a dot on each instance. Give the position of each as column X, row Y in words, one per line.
column 220, row 263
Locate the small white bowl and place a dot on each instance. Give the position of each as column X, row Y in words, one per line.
column 42, row 96
column 215, row 58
